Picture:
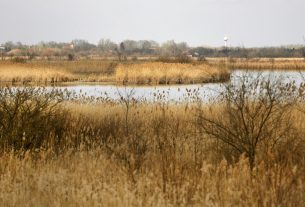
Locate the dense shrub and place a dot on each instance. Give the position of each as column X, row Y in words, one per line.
column 30, row 118
column 176, row 59
column 18, row 60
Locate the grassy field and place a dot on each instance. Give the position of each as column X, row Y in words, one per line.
column 55, row 152
column 110, row 71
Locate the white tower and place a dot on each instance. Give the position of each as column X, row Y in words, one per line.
column 226, row 39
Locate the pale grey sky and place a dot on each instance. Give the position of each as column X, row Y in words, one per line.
column 198, row 22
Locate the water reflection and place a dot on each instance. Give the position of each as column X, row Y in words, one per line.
column 179, row 93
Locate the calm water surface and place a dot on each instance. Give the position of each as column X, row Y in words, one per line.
column 178, row 92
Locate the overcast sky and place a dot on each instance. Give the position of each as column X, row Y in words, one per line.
column 199, row 22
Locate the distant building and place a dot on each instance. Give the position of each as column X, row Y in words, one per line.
column 195, row 54
column 68, row 46
column 16, row 52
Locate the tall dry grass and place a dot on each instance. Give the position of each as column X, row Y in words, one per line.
column 57, row 71
column 267, row 64
column 41, row 71
column 23, row 74
column 81, row 67
column 132, row 153
column 108, row 71
column 94, row 179
column 178, row 168
column 170, row 73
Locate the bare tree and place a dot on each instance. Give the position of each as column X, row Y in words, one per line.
column 106, row 45
column 82, row 45
column 2, row 49
column 303, row 49
column 121, row 52
column 251, row 112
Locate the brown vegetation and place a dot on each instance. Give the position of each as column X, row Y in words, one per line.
column 23, row 74
column 267, row 63
column 135, row 72
column 131, row 153
column 45, row 72
column 170, row 73
column 92, row 178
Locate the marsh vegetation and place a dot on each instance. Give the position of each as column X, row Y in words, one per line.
column 244, row 149
column 267, row 63
column 113, row 72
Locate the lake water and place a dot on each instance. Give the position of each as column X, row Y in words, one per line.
column 178, row 93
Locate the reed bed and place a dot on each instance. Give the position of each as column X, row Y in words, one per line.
column 57, row 71
column 93, row 179
column 55, row 152
column 161, row 162
column 267, row 64
column 82, row 67
column 108, row 71
column 170, row 73
column 22, row 74
column 259, row 63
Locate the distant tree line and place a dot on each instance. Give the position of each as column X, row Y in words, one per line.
column 133, row 48
column 240, row 52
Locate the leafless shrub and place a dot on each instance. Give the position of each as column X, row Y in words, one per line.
column 18, row 60
column 182, row 58
column 30, row 118
column 253, row 112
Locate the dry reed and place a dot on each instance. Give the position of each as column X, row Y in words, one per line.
column 162, row 160
column 93, row 179
column 22, row 74
column 267, row 64
column 107, row 71
column 170, row 73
